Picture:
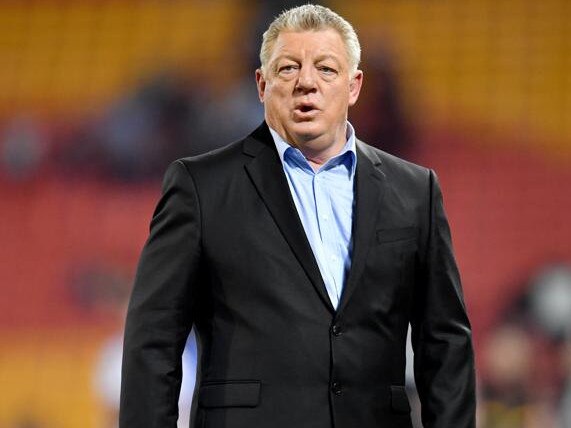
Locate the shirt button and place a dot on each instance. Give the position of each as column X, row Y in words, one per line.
column 336, row 330
column 336, row 388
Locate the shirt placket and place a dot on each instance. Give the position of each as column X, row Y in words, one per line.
column 327, row 233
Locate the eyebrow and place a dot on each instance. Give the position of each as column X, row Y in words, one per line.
column 285, row 56
column 296, row 59
column 328, row 56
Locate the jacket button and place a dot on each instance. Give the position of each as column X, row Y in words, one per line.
column 336, row 330
column 336, row 388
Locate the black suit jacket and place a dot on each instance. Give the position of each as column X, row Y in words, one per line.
column 227, row 253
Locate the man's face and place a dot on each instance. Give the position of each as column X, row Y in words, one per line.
column 307, row 88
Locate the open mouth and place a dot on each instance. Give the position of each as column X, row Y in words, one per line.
column 305, row 109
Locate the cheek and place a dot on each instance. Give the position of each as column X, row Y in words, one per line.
column 340, row 99
column 275, row 94
column 276, row 104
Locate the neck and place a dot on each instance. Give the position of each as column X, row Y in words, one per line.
column 317, row 150
column 319, row 157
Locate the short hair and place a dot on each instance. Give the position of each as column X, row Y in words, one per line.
column 311, row 17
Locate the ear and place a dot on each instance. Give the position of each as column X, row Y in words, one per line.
column 355, row 87
column 261, row 84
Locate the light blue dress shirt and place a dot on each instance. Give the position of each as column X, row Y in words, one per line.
column 324, row 202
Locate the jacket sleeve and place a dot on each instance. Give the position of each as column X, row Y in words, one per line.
column 159, row 317
column 441, row 332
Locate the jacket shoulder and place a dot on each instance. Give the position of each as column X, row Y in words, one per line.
column 393, row 165
column 218, row 159
column 232, row 156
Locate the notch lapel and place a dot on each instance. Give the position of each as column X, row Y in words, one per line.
column 369, row 192
column 266, row 172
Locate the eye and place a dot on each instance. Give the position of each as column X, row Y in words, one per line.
column 287, row 68
column 327, row 70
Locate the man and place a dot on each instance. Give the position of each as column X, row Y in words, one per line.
column 300, row 255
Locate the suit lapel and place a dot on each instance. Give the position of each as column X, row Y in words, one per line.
column 266, row 172
column 369, row 191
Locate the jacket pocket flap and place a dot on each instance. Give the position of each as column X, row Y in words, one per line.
column 392, row 235
column 244, row 393
column 399, row 399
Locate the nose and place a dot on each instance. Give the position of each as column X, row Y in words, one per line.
column 305, row 80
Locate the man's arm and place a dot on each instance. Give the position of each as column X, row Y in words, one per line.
column 159, row 317
column 441, row 334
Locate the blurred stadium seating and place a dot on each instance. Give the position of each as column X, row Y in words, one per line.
column 485, row 87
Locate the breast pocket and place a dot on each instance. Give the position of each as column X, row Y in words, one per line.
column 401, row 234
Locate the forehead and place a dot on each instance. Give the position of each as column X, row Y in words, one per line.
column 295, row 43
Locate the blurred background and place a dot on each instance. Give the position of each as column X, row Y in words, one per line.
column 97, row 97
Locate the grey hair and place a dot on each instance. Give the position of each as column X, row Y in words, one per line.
column 311, row 17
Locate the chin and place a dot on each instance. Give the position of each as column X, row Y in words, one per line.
column 307, row 130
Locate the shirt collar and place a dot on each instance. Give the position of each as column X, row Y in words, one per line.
column 350, row 147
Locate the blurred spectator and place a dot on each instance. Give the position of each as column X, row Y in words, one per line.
column 241, row 110
column 107, row 379
column 526, row 358
column 102, row 288
column 23, row 145
column 379, row 115
column 507, row 392
column 550, row 301
column 138, row 136
column 550, row 306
